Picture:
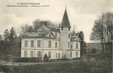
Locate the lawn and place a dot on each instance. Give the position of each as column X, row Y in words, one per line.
column 71, row 66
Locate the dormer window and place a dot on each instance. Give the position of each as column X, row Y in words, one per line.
column 56, row 35
column 49, row 35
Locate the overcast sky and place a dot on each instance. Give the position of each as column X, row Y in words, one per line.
column 81, row 13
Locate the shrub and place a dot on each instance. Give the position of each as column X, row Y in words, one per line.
column 46, row 58
column 27, row 59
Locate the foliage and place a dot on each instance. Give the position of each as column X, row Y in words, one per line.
column 83, row 44
column 10, row 47
column 27, row 60
column 78, row 66
column 46, row 58
column 94, row 51
column 103, row 31
column 6, row 33
column 36, row 24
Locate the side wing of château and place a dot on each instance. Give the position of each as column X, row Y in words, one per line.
column 55, row 42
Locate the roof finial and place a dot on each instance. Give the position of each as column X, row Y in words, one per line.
column 65, row 6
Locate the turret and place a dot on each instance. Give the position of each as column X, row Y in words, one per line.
column 65, row 33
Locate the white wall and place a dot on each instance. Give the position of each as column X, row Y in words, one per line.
column 44, row 43
column 74, row 54
column 64, row 39
column 35, row 52
column 73, row 43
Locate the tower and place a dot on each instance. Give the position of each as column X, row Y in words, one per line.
column 65, row 33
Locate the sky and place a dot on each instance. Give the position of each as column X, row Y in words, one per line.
column 82, row 13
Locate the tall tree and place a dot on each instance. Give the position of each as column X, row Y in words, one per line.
column 26, row 29
column 12, row 34
column 6, row 33
column 83, row 44
column 103, row 31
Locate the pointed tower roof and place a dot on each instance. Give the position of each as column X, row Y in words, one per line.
column 65, row 20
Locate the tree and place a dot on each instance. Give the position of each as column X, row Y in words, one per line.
column 26, row 29
column 12, row 34
column 36, row 24
column 46, row 58
column 6, row 33
column 94, row 51
column 103, row 31
column 83, row 44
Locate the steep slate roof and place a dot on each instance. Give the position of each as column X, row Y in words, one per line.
column 40, row 34
column 50, row 28
column 75, row 38
column 65, row 20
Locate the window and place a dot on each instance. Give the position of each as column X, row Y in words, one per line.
column 68, row 44
column 25, row 53
column 32, row 43
column 76, row 54
column 49, row 54
column 61, row 28
column 71, row 54
column 59, row 55
column 55, row 44
column 31, row 53
column 77, row 45
column 38, row 43
column 69, row 36
column 26, row 43
column 49, row 44
column 71, row 46
column 56, row 35
column 39, row 54
column 56, row 55
column 49, row 35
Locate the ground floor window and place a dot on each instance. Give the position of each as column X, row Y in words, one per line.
column 49, row 54
column 25, row 53
column 59, row 55
column 39, row 54
column 56, row 55
column 76, row 54
column 31, row 53
column 71, row 54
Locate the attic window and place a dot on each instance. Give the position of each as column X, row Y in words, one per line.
column 49, row 35
column 56, row 35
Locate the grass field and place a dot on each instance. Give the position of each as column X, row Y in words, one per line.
column 72, row 66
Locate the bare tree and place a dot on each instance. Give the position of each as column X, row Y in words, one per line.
column 103, row 31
